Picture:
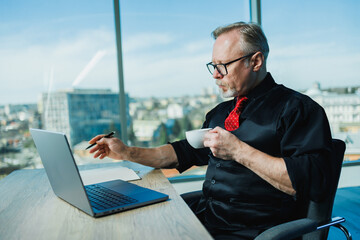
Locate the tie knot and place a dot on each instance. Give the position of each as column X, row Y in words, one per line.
column 240, row 104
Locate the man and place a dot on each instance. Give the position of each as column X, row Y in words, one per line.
column 268, row 149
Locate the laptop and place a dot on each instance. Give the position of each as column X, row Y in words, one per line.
column 97, row 199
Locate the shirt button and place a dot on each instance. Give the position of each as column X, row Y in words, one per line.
column 212, row 181
column 218, row 165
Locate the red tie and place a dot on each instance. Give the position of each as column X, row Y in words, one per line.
column 232, row 121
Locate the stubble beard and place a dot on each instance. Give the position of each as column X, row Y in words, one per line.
column 228, row 93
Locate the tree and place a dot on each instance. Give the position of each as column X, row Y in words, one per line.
column 163, row 135
column 131, row 136
column 176, row 129
column 186, row 125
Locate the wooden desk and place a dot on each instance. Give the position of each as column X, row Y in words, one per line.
column 30, row 210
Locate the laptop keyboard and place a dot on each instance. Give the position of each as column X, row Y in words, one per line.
column 103, row 198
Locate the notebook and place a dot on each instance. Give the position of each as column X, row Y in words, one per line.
column 96, row 199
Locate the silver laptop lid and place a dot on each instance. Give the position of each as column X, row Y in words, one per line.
column 60, row 167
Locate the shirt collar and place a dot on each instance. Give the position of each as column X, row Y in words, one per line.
column 264, row 86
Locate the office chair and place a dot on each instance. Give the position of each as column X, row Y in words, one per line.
column 318, row 221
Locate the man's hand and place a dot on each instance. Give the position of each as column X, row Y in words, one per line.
column 108, row 147
column 222, row 143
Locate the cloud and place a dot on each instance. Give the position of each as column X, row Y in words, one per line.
column 23, row 67
column 168, row 77
column 302, row 50
column 199, row 45
column 145, row 40
column 176, row 70
column 299, row 66
column 155, row 64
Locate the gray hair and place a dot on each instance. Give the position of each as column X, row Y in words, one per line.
column 253, row 38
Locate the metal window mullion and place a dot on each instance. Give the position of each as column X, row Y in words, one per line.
column 255, row 11
column 122, row 99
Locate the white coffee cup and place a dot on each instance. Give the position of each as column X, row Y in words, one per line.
column 196, row 137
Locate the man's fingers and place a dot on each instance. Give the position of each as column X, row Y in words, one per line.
column 207, row 140
column 218, row 129
column 95, row 139
column 94, row 149
column 214, row 130
column 97, row 154
column 98, row 145
column 101, row 152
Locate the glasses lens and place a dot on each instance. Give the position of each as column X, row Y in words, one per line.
column 220, row 68
column 210, row 67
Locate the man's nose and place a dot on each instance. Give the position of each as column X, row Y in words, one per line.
column 217, row 74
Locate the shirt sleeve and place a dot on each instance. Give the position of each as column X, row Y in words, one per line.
column 188, row 156
column 306, row 147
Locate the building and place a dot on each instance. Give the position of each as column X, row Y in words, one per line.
column 82, row 113
column 342, row 110
column 144, row 129
column 175, row 110
column 19, row 111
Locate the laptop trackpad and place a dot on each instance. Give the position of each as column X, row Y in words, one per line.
column 123, row 187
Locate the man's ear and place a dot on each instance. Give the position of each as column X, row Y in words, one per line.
column 257, row 61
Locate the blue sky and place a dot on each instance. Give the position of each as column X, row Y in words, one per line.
column 51, row 45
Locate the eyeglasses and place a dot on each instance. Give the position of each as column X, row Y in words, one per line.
column 221, row 67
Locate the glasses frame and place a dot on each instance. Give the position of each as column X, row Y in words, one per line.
column 215, row 66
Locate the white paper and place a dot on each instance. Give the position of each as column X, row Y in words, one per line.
column 98, row 175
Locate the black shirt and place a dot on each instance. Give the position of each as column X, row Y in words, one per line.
column 277, row 121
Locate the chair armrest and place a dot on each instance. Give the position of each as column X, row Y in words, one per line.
column 336, row 222
column 191, row 195
column 289, row 230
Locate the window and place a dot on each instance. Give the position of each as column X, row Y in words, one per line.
column 58, row 71
column 166, row 45
column 58, row 65
column 313, row 49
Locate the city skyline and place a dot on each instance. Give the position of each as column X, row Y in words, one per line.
column 48, row 46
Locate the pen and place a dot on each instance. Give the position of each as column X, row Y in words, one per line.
column 106, row 136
